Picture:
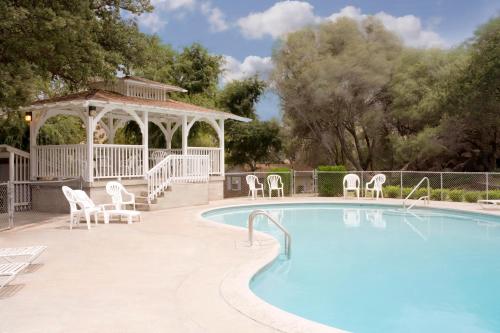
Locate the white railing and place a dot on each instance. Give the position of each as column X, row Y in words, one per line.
column 176, row 169
column 114, row 161
column 425, row 198
column 251, row 218
column 57, row 161
column 214, row 154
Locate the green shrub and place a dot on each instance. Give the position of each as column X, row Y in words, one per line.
column 330, row 180
column 456, row 195
column 474, row 196
column 421, row 192
column 406, row 191
column 286, row 178
column 436, row 194
column 493, row 195
column 392, row 191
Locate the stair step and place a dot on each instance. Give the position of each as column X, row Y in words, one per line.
column 144, row 200
column 143, row 207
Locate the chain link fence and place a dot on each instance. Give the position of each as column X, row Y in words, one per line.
column 26, row 202
column 445, row 186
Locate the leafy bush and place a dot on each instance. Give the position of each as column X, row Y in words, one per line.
column 493, row 195
column 436, row 194
column 474, row 196
column 406, row 191
column 456, row 195
column 392, row 191
column 330, row 180
column 286, row 178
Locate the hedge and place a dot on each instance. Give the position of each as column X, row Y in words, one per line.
column 330, row 183
column 394, row 191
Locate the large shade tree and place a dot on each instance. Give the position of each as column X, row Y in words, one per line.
column 71, row 41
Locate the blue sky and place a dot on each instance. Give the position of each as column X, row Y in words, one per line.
column 245, row 32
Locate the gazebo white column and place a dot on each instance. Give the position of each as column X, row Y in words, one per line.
column 90, row 148
column 185, row 133
column 145, row 139
column 221, row 146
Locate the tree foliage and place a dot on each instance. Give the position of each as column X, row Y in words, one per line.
column 362, row 99
column 251, row 143
column 72, row 41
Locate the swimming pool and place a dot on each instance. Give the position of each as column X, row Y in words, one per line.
column 375, row 268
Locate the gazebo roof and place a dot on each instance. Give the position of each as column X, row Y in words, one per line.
column 99, row 97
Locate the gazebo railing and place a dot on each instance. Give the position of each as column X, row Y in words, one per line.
column 176, row 169
column 60, row 161
column 113, row 161
column 214, row 155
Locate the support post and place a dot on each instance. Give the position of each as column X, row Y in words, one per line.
column 33, row 154
column 185, row 134
column 145, row 139
column 90, row 149
column 221, row 147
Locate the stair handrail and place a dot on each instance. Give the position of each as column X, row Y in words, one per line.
column 176, row 168
column 425, row 198
column 251, row 218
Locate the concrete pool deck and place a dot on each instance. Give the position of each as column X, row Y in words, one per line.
column 174, row 272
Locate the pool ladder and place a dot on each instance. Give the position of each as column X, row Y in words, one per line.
column 251, row 218
column 425, row 198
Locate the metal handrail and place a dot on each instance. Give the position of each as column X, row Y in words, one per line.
column 251, row 217
column 425, row 198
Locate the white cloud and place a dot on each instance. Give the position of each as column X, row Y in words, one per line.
column 283, row 17
column 151, row 22
column 409, row 27
column 215, row 17
column 251, row 65
column 287, row 16
column 171, row 5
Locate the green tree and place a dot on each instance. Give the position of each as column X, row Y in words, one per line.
column 252, row 143
column 332, row 80
column 72, row 41
column 240, row 96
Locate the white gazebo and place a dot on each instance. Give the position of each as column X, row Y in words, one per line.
column 111, row 105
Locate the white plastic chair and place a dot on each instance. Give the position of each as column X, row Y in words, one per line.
column 374, row 186
column 351, row 182
column 116, row 191
column 275, row 184
column 254, row 186
column 158, row 156
column 79, row 202
column 8, row 272
column 26, row 254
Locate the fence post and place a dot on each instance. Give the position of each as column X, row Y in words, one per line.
column 487, row 185
column 10, row 203
column 401, row 183
column 292, row 180
column 441, row 185
column 362, row 186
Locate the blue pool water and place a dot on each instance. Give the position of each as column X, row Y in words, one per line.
column 366, row 268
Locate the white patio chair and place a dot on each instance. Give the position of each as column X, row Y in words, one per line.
column 254, row 186
column 26, row 254
column 275, row 184
column 158, row 156
column 351, row 182
column 80, row 203
column 116, row 191
column 374, row 186
column 8, row 272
